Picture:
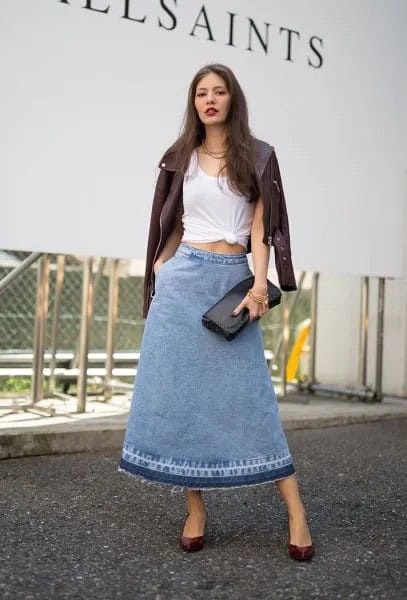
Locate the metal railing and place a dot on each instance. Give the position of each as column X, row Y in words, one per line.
column 91, row 298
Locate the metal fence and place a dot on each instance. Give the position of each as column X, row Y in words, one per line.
column 22, row 318
column 17, row 311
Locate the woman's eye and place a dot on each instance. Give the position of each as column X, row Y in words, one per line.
column 222, row 92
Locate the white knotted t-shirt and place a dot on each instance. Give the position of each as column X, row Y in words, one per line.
column 212, row 211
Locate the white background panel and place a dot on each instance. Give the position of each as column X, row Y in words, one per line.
column 90, row 101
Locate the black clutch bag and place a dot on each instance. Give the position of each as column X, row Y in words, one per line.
column 219, row 317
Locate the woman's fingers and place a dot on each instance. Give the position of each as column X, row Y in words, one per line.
column 158, row 264
column 237, row 309
column 255, row 311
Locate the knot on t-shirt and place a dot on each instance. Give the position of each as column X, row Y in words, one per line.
column 230, row 237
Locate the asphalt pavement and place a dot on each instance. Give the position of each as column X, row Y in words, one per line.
column 72, row 527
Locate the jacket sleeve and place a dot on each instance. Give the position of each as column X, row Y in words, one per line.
column 160, row 193
column 281, row 235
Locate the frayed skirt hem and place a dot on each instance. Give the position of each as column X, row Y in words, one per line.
column 179, row 482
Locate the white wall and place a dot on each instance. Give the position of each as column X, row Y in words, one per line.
column 90, row 100
column 338, row 331
column 338, row 335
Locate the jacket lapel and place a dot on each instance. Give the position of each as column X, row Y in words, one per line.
column 169, row 162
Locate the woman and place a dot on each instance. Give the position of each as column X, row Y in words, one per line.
column 204, row 413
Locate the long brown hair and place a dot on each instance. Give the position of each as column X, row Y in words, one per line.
column 240, row 153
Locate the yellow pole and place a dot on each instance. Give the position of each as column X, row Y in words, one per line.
column 294, row 360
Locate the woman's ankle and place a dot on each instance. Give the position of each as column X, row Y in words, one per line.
column 195, row 502
column 296, row 512
column 197, row 508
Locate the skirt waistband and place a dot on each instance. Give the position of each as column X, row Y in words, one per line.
column 206, row 255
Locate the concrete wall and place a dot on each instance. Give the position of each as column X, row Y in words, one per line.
column 338, row 335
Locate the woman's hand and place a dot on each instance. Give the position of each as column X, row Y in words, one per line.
column 256, row 310
column 158, row 264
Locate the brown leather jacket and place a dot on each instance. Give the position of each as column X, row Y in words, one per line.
column 168, row 195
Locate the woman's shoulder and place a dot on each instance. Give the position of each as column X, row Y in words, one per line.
column 262, row 147
column 169, row 155
column 264, row 155
column 263, row 151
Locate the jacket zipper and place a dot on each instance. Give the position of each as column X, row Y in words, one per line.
column 270, row 237
column 152, row 268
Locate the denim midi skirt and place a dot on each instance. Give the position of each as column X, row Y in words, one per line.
column 204, row 413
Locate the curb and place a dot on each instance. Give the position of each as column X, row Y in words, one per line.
column 65, row 442
column 321, row 422
column 18, row 445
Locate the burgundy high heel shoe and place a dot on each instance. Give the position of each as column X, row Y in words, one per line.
column 194, row 543
column 300, row 552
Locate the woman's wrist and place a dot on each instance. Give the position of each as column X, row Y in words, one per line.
column 260, row 287
column 258, row 298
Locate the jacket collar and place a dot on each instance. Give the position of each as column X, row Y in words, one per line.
column 170, row 161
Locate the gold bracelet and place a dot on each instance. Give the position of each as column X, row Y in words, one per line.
column 262, row 302
column 259, row 299
column 259, row 296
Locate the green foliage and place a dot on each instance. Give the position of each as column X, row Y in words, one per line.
column 15, row 384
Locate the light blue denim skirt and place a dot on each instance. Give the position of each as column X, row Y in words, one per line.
column 204, row 413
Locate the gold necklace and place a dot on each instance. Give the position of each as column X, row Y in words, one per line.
column 213, row 154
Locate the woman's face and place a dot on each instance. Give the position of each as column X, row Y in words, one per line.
column 212, row 99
